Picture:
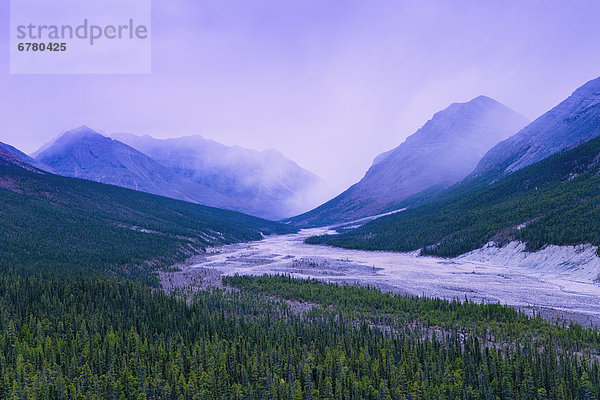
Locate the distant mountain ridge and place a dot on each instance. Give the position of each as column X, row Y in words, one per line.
column 84, row 153
column 265, row 180
column 441, row 153
column 263, row 184
column 574, row 121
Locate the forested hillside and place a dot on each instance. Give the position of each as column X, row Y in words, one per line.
column 89, row 337
column 80, row 320
column 48, row 221
column 555, row 201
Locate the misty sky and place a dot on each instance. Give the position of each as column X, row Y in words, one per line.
column 329, row 83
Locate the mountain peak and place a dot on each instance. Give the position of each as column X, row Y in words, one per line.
column 483, row 99
column 80, row 132
column 473, row 119
column 477, row 104
column 442, row 152
column 474, row 103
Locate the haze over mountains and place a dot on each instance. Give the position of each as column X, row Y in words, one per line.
column 572, row 122
column 84, row 153
column 274, row 186
column 466, row 140
column 441, row 153
column 524, row 189
column 265, row 180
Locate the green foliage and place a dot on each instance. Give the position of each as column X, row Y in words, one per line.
column 558, row 199
column 71, row 329
column 72, row 335
column 48, row 221
column 493, row 320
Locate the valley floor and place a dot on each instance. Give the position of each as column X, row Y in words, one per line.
column 552, row 291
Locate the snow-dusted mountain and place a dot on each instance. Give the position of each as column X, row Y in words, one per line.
column 572, row 122
column 269, row 184
column 441, row 153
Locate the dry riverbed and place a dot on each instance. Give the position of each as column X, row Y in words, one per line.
column 553, row 292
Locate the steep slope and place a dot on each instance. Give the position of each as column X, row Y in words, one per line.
column 268, row 183
column 572, row 122
column 11, row 156
column 555, row 201
column 444, row 151
column 53, row 222
column 84, row 153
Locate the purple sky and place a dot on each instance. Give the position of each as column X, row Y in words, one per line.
column 329, row 83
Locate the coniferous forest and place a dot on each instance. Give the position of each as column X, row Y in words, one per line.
column 83, row 318
column 68, row 336
column 300, row 200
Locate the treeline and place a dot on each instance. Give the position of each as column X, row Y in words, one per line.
column 557, row 199
column 71, row 336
